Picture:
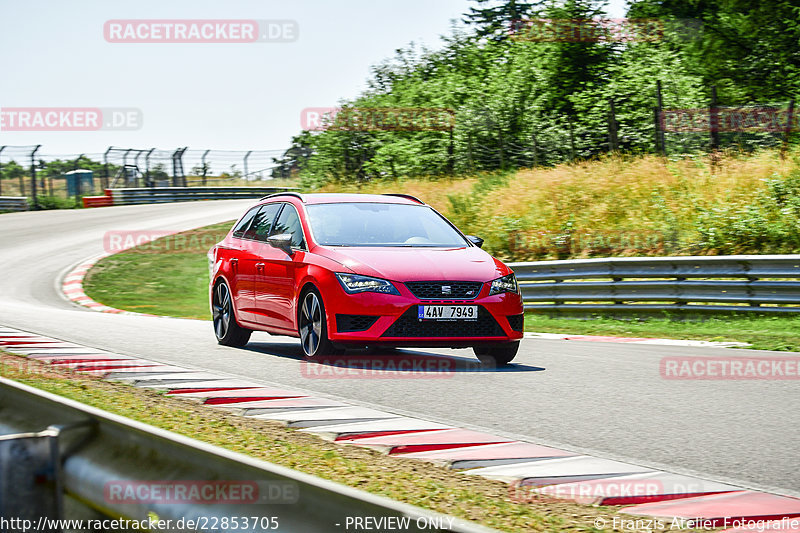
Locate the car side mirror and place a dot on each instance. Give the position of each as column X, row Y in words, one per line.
column 477, row 241
column 282, row 242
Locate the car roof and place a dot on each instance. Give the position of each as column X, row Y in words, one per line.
column 335, row 198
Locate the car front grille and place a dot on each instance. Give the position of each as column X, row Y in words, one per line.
column 444, row 290
column 516, row 322
column 409, row 325
column 351, row 323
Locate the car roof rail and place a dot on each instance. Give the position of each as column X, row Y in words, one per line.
column 406, row 196
column 287, row 193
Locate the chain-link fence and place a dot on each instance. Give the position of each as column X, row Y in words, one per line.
column 480, row 140
column 218, row 167
column 59, row 180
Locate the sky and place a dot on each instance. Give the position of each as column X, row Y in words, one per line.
column 221, row 96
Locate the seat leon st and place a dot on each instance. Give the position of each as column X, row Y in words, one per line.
column 356, row 270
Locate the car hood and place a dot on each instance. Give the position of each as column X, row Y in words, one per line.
column 418, row 264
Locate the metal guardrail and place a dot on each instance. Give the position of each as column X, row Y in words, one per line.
column 13, row 203
column 183, row 194
column 705, row 284
column 79, row 463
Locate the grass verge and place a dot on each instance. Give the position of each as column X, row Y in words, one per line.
column 488, row 502
column 763, row 332
column 168, row 276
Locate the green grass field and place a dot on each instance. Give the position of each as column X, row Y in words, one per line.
column 763, row 332
column 166, row 277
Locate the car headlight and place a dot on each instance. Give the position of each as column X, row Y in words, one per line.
column 355, row 283
column 504, row 284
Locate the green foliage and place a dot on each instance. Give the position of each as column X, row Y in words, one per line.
column 200, row 169
column 12, row 170
column 158, row 172
column 58, row 167
column 493, row 19
column 748, row 48
column 56, row 202
column 765, row 332
column 522, row 102
column 770, row 224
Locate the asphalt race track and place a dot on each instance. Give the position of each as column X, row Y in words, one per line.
column 601, row 398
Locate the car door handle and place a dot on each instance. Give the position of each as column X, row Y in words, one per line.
column 259, row 266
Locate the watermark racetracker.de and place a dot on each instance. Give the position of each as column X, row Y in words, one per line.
column 387, row 366
column 593, row 30
column 70, row 118
column 208, row 492
column 535, row 242
column 599, row 492
column 730, row 368
column 730, row 119
column 157, row 241
column 602, row 30
column 196, row 31
column 377, row 119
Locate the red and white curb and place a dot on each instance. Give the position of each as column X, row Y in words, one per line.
column 636, row 340
column 72, row 288
column 72, row 283
column 533, row 471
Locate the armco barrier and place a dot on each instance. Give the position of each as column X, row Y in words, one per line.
column 652, row 285
column 13, row 203
column 157, row 195
column 184, row 194
column 91, row 458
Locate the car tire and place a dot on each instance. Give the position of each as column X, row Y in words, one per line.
column 312, row 325
column 226, row 328
column 497, row 354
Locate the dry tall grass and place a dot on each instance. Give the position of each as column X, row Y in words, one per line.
column 618, row 205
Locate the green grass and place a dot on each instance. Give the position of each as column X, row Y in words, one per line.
column 170, row 277
column 491, row 503
column 763, row 332
column 166, row 277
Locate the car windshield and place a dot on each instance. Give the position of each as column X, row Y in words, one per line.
column 379, row 224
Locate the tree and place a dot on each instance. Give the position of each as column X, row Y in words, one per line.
column 201, row 170
column 497, row 20
column 158, row 172
column 750, row 49
column 12, row 170
column 234, row 173
column 572, row 64
column 294, row 159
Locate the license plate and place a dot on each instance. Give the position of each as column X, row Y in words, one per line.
column 448, row 312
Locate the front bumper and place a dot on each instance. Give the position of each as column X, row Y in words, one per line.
column 371, row 318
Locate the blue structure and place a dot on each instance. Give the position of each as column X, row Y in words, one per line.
column 79, row 182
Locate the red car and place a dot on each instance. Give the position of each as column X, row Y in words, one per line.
column 356, row 270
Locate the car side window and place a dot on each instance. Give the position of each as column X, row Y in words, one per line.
column 289, row 222
column 262, row 222
column 244, row 223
